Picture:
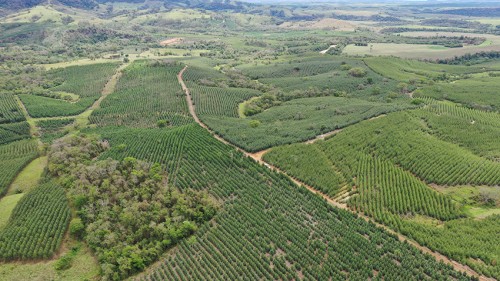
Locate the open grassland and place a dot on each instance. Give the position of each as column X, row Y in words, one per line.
column 44, row 13
column 415, row 51
column 165, row 16
column 29, row 177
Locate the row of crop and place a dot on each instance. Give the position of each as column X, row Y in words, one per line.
column 268, row 227
column 296, row 120
column 309, row 164
column 9, row 109
column 475, row 130
column 219, row 101
column 86, row 81
column 393, row 196
column 14, row 131
column 37, row 224
column 478, row 92
column 144, row 95
column 15, row 156
column 306, row 67
column 52, row 129
column 407, row 142
column 39, row 107
column 383, row 186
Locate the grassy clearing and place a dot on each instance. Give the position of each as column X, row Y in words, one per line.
column 29, row 176
column 415, row 51
column 84, row 267
column 7, row 205
column 14, row 157
column 475, row 197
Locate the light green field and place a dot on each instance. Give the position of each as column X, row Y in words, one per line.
column 492, row 21
column 84, row 267
column 406, row 70
column 467, row 195
column 495, row 39
column 415, row 51
column 70, row 96
column 7, row 204
column 29, row 176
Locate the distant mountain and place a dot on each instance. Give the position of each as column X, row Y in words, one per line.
column 90, row 4
column 22, row 4
column 19, row 4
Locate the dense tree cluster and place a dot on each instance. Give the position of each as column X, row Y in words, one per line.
column 131, row 216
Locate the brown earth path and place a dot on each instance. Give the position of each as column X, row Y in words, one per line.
column 81, row 118
column 258, row 158
column 106, row 91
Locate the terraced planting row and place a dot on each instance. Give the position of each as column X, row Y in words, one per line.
column 266, row 217
column 37, row 225
column 383, row 160
column 145, row 94
column 15, row 156
column 87, row 82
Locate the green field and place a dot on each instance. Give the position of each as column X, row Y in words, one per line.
column 37, row 224
column 249, row 140
column 477, row 92
column 87, row 82
column 388, row 178
column 198, row 162
column 413, row 70
column 15, row 156
column 145, row 94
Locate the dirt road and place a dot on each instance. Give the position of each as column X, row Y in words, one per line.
column 258, row 158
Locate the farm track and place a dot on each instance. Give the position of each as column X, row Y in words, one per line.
column 258, row 158
column 106, row 91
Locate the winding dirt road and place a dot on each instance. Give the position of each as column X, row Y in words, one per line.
column 258, row 158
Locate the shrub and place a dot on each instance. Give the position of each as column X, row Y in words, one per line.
column 357, row 72
column 76, row 228
column 254, row 123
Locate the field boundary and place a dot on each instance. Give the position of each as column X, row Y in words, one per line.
column 258, row 158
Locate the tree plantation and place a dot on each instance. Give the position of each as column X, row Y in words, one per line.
column 249, row 140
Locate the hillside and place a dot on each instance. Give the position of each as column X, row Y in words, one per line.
column 225, row 140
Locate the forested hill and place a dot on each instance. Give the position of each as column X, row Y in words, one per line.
column 90, row 4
